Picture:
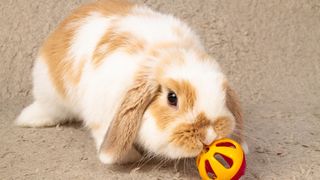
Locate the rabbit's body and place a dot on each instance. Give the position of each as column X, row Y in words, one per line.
column 92, row 62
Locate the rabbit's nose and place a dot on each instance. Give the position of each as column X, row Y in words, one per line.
column 210, row 136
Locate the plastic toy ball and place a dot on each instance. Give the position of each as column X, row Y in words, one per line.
column 222, row 160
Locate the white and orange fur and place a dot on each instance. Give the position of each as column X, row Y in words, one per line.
column 111, row 65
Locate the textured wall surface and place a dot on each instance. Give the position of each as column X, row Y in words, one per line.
column 269, row 49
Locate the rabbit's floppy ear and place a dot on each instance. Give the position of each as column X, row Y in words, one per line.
column 233, row 104
column 119, row 139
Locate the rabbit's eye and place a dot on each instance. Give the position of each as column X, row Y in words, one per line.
column 172, row 98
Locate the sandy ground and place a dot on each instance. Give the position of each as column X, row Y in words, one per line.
column 269, row 49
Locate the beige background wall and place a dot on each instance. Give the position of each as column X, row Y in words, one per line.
column 269, row 49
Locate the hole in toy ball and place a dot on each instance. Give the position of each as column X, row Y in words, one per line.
column 206, row 149
column 224, row 160
column 209, row 170
column 226, row 144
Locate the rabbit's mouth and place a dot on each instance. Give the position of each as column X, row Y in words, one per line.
column 189, row 140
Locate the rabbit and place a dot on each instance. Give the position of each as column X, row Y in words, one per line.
column 135, row 78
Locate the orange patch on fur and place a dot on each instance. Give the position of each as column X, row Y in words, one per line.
column 163, row 119
column 185, row 91
column 186, row 99
column 187, row 137
column 106, row 8
column 75, row 75
column 190, row 136
column 113, row 40
column 55, row 52
column 55, row 49
column 223, row 126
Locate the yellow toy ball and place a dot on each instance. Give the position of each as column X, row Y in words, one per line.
column 222, row 160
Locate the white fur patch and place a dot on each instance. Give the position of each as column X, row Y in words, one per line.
column 152, row 28
column 210, row 136
column 35, row 116
column 132, row 156
column 92, row 28
column 48, row 109
column 150, row 135
column 106, row 158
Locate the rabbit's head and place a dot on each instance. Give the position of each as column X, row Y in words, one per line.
column 180, row 101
